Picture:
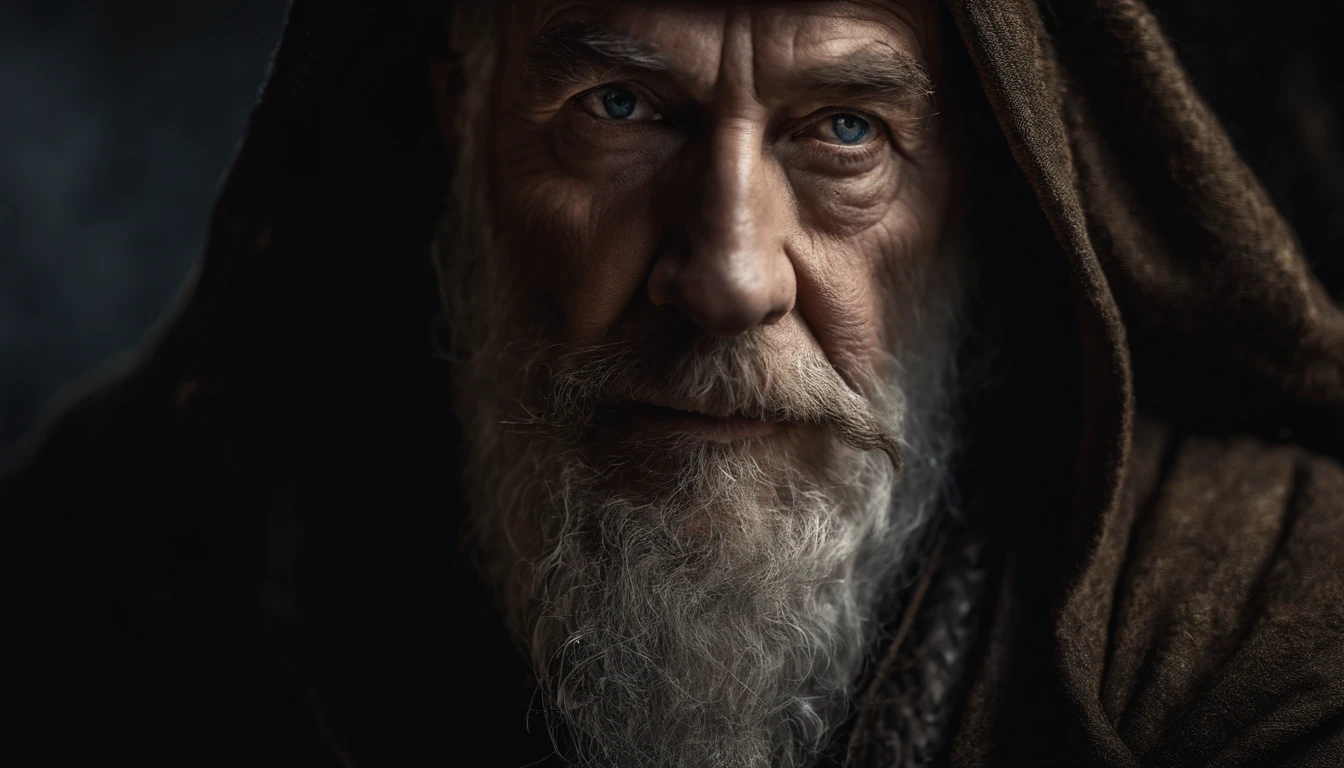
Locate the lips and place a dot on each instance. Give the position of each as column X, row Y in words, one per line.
column 639, row 420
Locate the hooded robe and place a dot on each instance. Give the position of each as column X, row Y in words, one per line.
column 238, row 547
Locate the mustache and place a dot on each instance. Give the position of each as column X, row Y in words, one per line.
column 744, row 375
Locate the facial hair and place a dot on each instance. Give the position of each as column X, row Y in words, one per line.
column 686, row 602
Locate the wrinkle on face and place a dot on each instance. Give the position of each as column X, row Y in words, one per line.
column 590, row 210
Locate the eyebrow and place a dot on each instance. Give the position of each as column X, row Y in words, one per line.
column 883, row 74
column 577, row 53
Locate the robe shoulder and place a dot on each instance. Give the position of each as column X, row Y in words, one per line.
column 1224, row 575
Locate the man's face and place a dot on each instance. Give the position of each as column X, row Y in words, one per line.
column 704, row 267
column 774, row 166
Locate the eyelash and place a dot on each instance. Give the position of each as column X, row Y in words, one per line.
column 877, row 123
column 837, row 153
column 577, row 102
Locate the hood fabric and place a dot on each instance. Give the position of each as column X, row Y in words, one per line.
column 244, row 535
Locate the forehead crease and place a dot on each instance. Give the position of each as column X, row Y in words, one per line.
column 690, row 37
column 857, row 56
column 822, row 37
column 678, row 41
column 685, row 41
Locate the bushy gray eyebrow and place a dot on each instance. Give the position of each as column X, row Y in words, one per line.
column 886, row 75
column 579, row 53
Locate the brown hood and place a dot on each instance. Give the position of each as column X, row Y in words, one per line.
column 1193, row 301
column 1176, row 256
column 1170, row 240
column 308, row 327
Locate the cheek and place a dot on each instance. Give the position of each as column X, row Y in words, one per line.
column 614, row 271
column 840, row 297
column 611, row 157
column 862, row 237
column 845, row 206
column 582, row 242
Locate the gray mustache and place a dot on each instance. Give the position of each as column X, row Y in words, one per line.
column 743, row 375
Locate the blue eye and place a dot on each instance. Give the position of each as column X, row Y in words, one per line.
column 849, row 129
column 619, row 103
column 614, row 104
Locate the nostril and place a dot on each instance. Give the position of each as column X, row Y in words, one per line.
column 717, row 298
column 722, row 319
column 725, row 285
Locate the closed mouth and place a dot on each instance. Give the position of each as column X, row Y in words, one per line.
column 642, row 420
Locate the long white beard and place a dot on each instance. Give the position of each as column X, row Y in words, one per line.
column 688, row 603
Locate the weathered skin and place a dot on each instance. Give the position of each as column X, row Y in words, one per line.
column 725, row 198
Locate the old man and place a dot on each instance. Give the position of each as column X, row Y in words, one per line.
column 708, row 384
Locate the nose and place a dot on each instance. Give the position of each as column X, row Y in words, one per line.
column 731, row 271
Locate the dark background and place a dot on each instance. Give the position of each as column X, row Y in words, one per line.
column 117, row 120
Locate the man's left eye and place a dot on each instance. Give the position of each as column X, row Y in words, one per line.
column 844, row 129
column 619, row 104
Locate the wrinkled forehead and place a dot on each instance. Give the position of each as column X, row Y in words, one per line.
column 691, row 38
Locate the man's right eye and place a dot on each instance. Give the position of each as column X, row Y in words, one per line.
column 618, row 104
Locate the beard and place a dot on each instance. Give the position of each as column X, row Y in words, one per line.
column 686, row 601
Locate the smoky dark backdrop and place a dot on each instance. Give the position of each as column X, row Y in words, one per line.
column 117, row 120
